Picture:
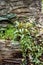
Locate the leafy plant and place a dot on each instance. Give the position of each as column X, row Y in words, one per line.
column 28, row 39
column 27, row 34
column 7, row 33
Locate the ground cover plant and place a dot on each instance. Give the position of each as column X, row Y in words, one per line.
column 31, row 42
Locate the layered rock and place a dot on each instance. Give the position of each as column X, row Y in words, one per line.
column 20, row 7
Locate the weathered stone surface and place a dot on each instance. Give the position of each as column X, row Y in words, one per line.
column 8, row 49
column 20, row 7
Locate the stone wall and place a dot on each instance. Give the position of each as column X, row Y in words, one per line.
column 20, row 7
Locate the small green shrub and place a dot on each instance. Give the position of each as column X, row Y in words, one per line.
column 27, row 34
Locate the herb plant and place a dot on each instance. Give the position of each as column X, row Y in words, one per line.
column 27, row 35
